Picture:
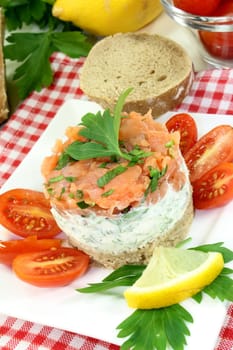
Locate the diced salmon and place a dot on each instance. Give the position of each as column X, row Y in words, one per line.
column 78, row 180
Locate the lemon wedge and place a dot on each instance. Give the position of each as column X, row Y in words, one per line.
column 172, row 276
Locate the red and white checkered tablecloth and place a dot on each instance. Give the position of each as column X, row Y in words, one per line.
column 212, row 92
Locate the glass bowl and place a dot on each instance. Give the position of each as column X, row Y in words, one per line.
column 214, row 35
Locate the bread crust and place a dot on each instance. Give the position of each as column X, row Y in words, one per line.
column 164, row 102
column 164, row 85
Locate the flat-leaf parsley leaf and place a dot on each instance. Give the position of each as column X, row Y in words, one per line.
column 156, row 329
column 101, row 131
column 34, row 50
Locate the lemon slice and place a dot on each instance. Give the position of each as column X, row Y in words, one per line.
column 173, row 275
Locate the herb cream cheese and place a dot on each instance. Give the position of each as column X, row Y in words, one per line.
column 125, row 232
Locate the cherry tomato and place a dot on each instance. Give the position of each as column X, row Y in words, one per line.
column 51, row 268
column 186, row 125
column 197, row 7
column 214, row 188
column 213, row 148
column 216, row 43
column 27, row 212
column 10, row 249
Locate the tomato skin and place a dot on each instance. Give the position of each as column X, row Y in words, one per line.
column 220, row 44
column 10, row 249
column 211, row 149
column 51, row 268
column 197, row 7
column 186, row 125
column 27, row 212
column 214, row 188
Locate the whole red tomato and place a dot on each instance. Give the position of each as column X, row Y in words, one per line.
column 197, row 7
column 216, row 43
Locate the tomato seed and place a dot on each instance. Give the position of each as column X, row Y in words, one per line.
column 210, row 195
column 63, row 267
column 221, row 191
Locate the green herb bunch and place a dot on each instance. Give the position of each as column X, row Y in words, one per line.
column 26, row 12
column 160, row 329
column 33, row 49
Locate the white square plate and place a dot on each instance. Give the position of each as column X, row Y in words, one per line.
column 98, row 315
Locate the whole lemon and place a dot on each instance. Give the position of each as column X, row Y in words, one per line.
column 106, row 17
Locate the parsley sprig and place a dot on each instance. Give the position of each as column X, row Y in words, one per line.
column 21, row 12
column 33, row 50
column 222, row 286
column 124, row 276
column 163, row 326
column 166, row 326
column 101, row 131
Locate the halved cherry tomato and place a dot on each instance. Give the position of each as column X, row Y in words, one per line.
column 220, row 44
column 213, row 148
column 214, row 188
column 186, row 125
column 27, row 212
column 197, row 7
column 10, row 249
column 51, row 268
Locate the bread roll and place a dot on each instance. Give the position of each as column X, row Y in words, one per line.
column 157, row 68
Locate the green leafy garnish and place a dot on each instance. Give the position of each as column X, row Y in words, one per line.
column 70, row 178
column 20, row 12
column 60, row 178
column 217, row 247
column 101, row 131
column 107, row 177
column 155, row 175
column 56, row 179
column 107, row 193
column 137, row 155
column 34, row 51
column 156, row 329
column 103, row 165
column 221, row 288
column 83, row 205
column 170, row 144
column 63, row 189
column 79, row 194
column 124, row 276
column 63, row 160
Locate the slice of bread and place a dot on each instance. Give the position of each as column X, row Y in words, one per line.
column 3, row 96
column 157, row 68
